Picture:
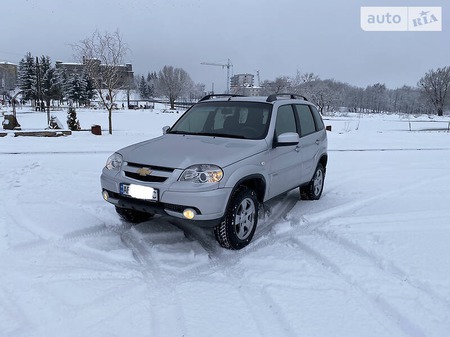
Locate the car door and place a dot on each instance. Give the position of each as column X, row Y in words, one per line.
column 309, row 141
column 284, row 160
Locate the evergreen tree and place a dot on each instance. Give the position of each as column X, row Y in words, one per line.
column 72, row 121
column 75, row 88
column 89, row 90
column 27, row 77
column 49, row 83
column 143, row 88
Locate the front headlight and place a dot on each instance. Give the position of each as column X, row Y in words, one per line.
column 202, row 174
column 114, row 162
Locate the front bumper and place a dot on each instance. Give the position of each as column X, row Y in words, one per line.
column 209, row 205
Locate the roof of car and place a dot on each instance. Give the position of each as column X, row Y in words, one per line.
column 264, row 99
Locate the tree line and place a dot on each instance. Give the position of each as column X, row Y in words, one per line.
column 41, row 82
column 430, row 95
column 171, row 82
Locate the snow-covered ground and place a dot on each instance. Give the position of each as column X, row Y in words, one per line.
column 371, row 258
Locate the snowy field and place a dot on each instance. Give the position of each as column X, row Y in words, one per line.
column 371, row 258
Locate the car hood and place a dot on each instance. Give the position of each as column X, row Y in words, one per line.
column 182, row 151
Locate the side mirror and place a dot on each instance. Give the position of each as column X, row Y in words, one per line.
column 287, row 139
column 165, row 129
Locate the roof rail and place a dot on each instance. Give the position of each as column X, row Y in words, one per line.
column 207, row 97
column 274, row 97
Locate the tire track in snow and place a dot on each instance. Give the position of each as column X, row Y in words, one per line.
column 164, row 303
column 73, row 236
column 397, row 278
column 382, row 307
column 16, row 321
column 354, row 205
column 263, row 308
column 387, row 267
column 313, row 224
column 80, row 316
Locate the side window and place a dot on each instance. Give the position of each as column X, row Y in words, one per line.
column 317, row 118
column 307, row 123
column 285, row 120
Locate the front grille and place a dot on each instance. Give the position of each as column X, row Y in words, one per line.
column 149, row 179
column 151, row 167
column 157, row 174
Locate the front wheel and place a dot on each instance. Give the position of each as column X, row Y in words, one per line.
column 314, row 189
column 237, row 229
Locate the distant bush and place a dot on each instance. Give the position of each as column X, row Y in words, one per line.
column 72, row 122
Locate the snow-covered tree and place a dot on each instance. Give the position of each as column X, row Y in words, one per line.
column 173, row 83
column 75, row 88
column 26, row 77
column 50, row 86
column 89, row 91
column 72, row 121
column 102, row 54
column 281, row 84
column 436, row 85
column 144, row 90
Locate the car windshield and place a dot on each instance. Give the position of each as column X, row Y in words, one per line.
column 246, row 120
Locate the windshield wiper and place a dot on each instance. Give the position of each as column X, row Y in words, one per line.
column 179, row 132
column 223, row 135
column 229, row 135
column 208, row 134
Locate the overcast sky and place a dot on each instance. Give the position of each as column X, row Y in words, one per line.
column 276, row 37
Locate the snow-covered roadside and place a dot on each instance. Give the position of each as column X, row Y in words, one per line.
column 370, row 258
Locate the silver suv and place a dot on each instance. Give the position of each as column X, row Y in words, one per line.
column 224, row 158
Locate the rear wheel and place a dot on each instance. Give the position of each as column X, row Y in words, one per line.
column 237, row 229
column 132, row 215
column 314, row 189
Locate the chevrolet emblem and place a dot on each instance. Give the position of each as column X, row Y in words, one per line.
column 144, row 171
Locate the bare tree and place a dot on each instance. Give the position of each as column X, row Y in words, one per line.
column 303, row 83
column 103, row 54
column 282, row 84
column 436, row 84
column 376, row 98
column 173, row 83
column 325, row 94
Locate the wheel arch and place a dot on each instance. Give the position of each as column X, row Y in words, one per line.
column 255, row 182
column 323, row 161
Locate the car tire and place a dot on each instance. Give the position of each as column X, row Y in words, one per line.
column 132, row 215
column 314, row 189
column 241, row 217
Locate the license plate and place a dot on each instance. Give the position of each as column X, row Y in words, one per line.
column 139, row 192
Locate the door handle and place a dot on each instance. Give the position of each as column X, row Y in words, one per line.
column 317, row 142
column 297, row 148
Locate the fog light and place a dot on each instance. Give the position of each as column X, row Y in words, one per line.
column 105, row 195
column 189, row 213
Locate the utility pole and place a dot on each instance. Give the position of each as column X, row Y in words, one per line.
column 228, row 65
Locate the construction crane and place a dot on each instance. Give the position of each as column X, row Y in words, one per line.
column 228, row 65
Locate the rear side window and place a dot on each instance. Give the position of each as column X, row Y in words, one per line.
column 285, row 120
column 306, row 119
column 317, row 118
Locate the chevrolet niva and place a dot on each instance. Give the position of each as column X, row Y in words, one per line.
column 222, row 159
